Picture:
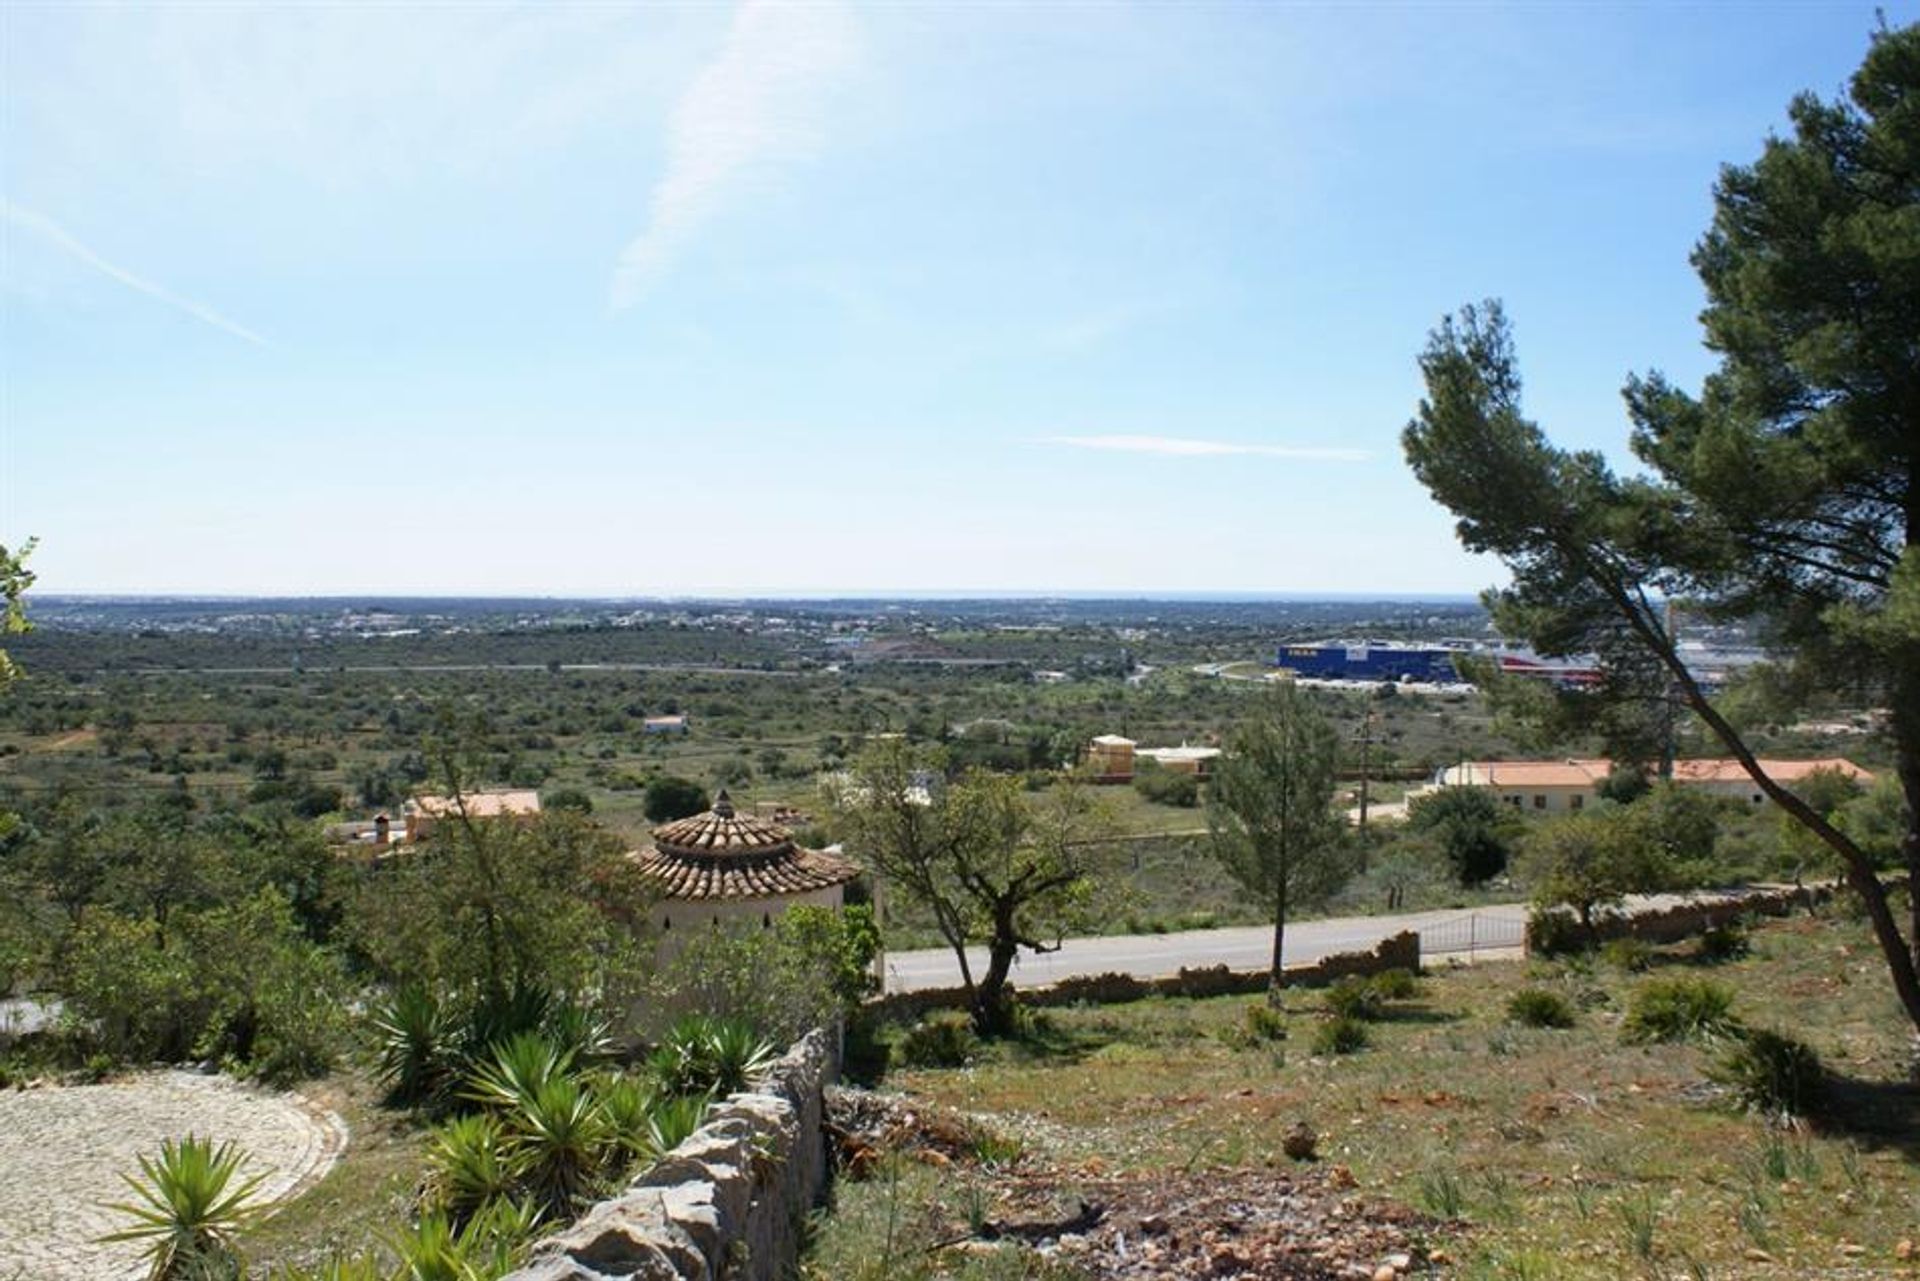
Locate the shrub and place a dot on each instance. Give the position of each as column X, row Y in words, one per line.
column 1167, row 787
column 1632, row 955
column 1678, row 1009
column 1774, row 1073
column 1264, row 1023
column 1354, row 998
column 1396, row 984
column 942, row 1040
column 1340, row 1035
column 1537, row 1007
column 1551, row 932
column 1728, row 942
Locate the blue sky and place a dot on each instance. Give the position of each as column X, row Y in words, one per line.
column 808, row 298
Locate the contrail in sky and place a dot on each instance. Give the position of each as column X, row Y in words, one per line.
column 53, row 233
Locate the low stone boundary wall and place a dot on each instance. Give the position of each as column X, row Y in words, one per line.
column 1698, row 915
column 1399, row 952
column 729, row 1202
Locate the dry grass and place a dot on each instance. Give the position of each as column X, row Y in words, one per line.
column 366, row 1199
column 1565, row 1153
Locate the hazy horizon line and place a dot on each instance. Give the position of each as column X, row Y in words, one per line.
column 1223, row 596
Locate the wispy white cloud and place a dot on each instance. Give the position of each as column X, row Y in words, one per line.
column 1184, row 447
column 753, row 109
column 53, row 233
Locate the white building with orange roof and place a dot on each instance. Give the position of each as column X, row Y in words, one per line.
column 1559, row 787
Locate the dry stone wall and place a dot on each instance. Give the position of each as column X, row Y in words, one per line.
column 1400, row 952
column 727, row 1203
column 1697, row 915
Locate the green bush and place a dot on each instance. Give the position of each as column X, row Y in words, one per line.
column 1537, row 1007
column 1264, row 1023
column 1396, row 984
column 1632, row 955
column 1552, row 932
column 1728, row 942
column 1773, row 1073
column 1678, row 1009
column 1167, row 787
column 1354, row 997
column 1340, row 1035
column 946, row 1039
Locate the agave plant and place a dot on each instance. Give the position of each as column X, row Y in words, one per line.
column 576, row 1028
column 702, row 1055
column 517, row 1069
column 189, row 1208
column 415, row 1034
column 674, row 1118
column 627, row 1107
column 472, row 1162
column 494, row 1020
column 488, row 1247
column 562, row 1142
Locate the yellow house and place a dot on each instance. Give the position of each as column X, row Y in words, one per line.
column 1110, row 759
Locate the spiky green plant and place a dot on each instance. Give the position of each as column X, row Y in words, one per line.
column 627, row 1107
column 703, row 1055
column 190, row 1208
column 472, row 1160
column 415, row 1036
column 674, row 1118
column 577, row 1029
column 516, row 1070
column 561, row 1142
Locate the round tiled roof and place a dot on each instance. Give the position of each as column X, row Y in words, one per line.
column 721, row 831
column 721, row 855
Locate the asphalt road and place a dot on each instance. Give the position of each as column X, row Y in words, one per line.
column 1242, row 948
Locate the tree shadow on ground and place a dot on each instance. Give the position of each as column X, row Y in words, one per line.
column 1876, row 1115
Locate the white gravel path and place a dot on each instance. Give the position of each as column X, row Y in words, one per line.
column 63, row 1149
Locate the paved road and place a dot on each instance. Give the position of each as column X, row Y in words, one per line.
column 1243, row 948
column 1450, row 931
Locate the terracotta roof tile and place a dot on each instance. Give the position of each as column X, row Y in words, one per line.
column 723, row 855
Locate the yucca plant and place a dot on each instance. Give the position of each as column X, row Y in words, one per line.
column 674, row 1118
column 627, row 1107
column 583, row 1034
column 516, row 1070
column 561, row 1141
column 190, row 1208
column 487, row 1248
column 702, row 1055
column 493, row 1020
column 473, row 1161
column 415, row 1034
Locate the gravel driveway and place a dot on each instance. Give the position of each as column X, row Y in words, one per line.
column 63, row 1149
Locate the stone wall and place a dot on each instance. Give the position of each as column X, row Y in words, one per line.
column 1400, row 952
column 729, row 1202
column 1698, row 914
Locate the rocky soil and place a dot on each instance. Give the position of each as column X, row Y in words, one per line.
column 1305, row 1222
